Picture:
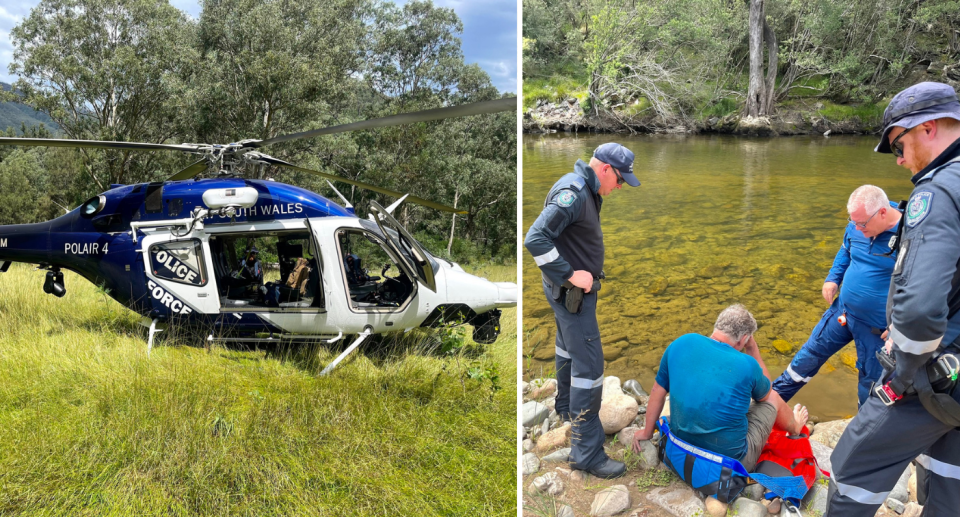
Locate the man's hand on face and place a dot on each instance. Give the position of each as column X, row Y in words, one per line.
column 751, row 347
column 829, row 291
column 582, row 279
column 641, row 436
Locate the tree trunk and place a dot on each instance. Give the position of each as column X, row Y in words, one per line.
column 755, row 92
column 453, row 223
column 766, row 108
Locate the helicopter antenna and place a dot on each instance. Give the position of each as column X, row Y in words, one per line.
column 395, row 204
column 346, row 203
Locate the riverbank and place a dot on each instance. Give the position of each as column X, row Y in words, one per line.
column 649, row 489
column 800, row 118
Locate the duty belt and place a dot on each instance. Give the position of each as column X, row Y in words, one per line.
column 933, row 384
column 570, row 296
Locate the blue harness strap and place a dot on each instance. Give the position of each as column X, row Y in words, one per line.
column 716, row 475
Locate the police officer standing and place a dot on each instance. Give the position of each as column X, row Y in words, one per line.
column 567, row 244
column 913, row 411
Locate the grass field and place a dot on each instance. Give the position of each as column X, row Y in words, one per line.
column 89, row 425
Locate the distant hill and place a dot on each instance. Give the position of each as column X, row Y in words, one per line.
column 13, row 114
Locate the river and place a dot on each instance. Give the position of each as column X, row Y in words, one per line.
column 717, row 220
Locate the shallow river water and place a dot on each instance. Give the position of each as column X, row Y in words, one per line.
column 717, row 220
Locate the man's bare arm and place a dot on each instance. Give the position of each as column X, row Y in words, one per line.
column 753, row 350
column 655, row 403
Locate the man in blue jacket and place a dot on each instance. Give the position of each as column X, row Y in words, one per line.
column 861, row 273
column 567, row 244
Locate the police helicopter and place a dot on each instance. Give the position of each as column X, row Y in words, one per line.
column 185, row 251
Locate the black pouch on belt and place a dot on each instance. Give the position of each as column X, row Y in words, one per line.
column 574, row 300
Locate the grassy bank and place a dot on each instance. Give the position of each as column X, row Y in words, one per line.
column 89, row 425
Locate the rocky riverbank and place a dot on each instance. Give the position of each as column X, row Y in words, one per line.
column 567, row 116
column 650, row 489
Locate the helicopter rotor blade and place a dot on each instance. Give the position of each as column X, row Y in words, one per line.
column 464, row 110
column 96, row 144
column 189, row 172
column 367, row 186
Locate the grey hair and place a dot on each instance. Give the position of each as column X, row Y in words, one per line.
column 736, row 322
column 870, row 197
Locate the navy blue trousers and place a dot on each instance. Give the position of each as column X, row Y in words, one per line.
column 828, row 338
column 579, row 357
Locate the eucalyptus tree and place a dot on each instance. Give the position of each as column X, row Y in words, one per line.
column 106, row 70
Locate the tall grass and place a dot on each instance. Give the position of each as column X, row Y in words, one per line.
column 89, row 425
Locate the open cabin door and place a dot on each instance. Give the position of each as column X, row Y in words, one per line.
column 405, row 246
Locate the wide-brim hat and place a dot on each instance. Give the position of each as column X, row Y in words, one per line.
column 917, row 104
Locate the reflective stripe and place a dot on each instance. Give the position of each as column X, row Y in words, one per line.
column 695, row 451
column 938, row 467
column 562, row 353
column 860, row 495
column 547, row 257
column 586, row 384
column 796, row 376
column 913, row 347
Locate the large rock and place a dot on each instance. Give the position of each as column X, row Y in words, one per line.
column 895, row 505
column 648, row 454
column 754, row 492
column 901, row 490
column 681, row 502
column 548, row 483
column 542, row 388
column 744, row 507
column 563, row 455
column 822, row 454
column 534, row 413
column 611, row 387
column 635, row 390
column 531, row 464
column 554, row 439
column 714, row 507
column 625, row 436
column 912, row 510
column 565, row 511
column 617, row 412
column 816, row 499
column 611, row 501
column 828, row 433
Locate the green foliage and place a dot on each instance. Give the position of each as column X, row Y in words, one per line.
column 871, row 114
column 689, row 58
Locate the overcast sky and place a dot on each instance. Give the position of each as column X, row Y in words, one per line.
column 489, row 34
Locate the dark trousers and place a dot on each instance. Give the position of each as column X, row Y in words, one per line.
column 827, row 338
column 880, row 443
column 580, row 377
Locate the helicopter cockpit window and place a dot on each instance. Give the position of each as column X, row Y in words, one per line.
column 259, row 270
column 374, row 280
column 178, row 262
column 93, row 206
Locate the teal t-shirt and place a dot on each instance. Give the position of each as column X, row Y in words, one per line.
column 710, row 385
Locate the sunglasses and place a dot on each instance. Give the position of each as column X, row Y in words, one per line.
column 620, row 180
column 896, row 146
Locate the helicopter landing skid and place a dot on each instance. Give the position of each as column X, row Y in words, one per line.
column 153, row 331
column 353, row 346
column 275, row 339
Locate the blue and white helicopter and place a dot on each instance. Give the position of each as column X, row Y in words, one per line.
column 186, row 251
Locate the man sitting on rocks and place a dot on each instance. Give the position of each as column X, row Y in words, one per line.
column 721, row 399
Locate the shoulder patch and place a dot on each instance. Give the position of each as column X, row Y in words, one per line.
column 565, row 198
column 918, row 207
column 578, row 183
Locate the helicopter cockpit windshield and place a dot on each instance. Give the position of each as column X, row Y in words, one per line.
column 266, row 269
column 373, row 277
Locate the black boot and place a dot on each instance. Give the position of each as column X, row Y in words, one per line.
column 609, row 469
